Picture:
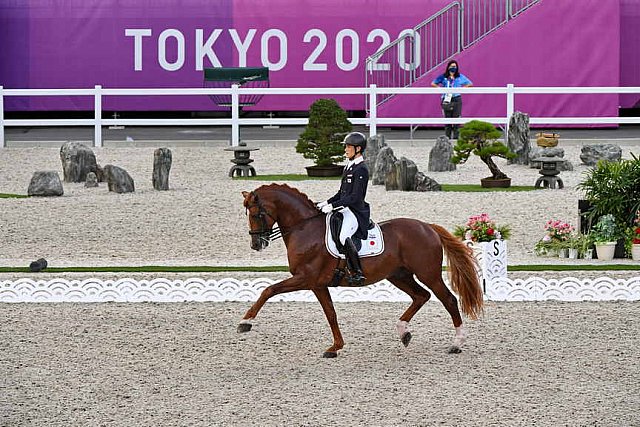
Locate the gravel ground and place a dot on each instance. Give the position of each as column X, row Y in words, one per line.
column 184, row 364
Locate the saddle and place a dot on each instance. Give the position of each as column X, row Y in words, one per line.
column 371, row 246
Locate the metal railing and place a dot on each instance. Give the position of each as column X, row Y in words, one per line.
column 373, row 121
column 437, row 39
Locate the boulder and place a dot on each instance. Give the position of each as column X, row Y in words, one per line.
column 518, row 138
column 118, row 180
column 77, row 161
column 384, row 163
column 92, row 180
column 440, row 156
column 45, row 183
column 406, row 171
column 424, row 183
column 374, row 145
column 591, row 154
column 161, row 168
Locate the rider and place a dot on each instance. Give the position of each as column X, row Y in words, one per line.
column 349, row 202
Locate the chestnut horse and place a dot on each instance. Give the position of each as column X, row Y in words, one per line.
column 411, row 247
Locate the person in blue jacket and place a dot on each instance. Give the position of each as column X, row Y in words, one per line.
column 451, row 102
column 351, row 208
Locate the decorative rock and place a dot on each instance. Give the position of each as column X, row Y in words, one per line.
column 384, row 163
column 77, row 161
column 518, row 138
column 92, row 180
column 440, row 156
column 424, row 183
column 118, row 180
column 590, row 154
column 161, row 168
column 45, row 183
column 38, row 265
column 406, row 171
column 374, row 145
column 391, row 179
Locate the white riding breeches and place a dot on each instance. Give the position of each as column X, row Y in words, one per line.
column 349, row 224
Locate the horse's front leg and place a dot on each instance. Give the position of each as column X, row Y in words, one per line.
column 288, row 285
column 324, row 297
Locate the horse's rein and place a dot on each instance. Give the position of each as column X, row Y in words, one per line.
column 273, row 233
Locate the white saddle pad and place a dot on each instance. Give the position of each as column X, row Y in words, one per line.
column 372, row 246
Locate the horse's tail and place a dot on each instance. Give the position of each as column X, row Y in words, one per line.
column 463, row 276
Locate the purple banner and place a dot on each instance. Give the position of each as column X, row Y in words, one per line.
column 167, row 43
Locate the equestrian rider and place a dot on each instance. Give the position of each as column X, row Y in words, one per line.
column 351, row 209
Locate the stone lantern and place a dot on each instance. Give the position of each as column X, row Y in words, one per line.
column 549, row 171
column 241, row 158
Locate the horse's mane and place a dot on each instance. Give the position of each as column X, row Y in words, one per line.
column 289, row 190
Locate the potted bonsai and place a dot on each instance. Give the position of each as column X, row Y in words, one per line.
column 605, row 234
column 321, row 139
column 481, row 138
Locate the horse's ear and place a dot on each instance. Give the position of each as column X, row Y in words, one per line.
column 245, row 194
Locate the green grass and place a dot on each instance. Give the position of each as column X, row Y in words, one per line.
column 12, row 196
column 285, row 177
column 445, row 187
column 477, row 187
column 284, row 268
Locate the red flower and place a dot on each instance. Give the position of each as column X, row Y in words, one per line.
column 638, row 230
column 636, row 241
column 490, row 231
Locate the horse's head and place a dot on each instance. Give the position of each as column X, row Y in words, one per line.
column 261, row 220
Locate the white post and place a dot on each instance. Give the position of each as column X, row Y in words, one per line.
column 97, row 116
column 373, row 110
column 235, row 116
column 2, row 142
column 510, row 107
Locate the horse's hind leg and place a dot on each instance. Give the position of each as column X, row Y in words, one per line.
column 403, row 280
column 450, row 302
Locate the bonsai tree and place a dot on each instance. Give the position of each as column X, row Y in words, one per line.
column 321, row 139
column 481, row 138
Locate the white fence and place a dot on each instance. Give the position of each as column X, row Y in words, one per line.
column 371, row 92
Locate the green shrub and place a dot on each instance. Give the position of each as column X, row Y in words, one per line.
column 321, row 139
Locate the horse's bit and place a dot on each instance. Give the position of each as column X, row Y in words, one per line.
column 265, row 233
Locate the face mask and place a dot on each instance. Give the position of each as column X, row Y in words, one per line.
column 453, row 69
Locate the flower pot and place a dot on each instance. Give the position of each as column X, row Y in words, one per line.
column 495, row 183
column 320, row 171
column 635, row 252
column 563, row 253
column 606, row 250
column 573, row 253
column 588, row 254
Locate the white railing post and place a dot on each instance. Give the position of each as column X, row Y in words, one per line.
column 2, row 142
column 373, row 110
column 97, row 116
column 235, row 116
column 510, row 107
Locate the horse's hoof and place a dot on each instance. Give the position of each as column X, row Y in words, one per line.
column 244, row 327
column 406, row 338
column 454, row 349
column 330, row 354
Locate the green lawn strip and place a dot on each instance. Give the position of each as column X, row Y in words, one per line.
column 283, row 268
column 445, row 187
column 12, row 196
column 285, row 177
column 477, row 188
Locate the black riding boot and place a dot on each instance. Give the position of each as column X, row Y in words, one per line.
column 353, row 264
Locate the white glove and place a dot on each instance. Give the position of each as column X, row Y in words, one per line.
column 327, row 208
column 322, row 205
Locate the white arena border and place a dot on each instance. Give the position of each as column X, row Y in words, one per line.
column 232, row 290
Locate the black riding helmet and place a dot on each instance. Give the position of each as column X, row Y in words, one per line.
column 356, row 139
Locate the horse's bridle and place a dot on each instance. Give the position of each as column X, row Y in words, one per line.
column 265, row 233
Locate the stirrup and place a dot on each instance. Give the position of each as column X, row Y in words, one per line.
column 356, row 279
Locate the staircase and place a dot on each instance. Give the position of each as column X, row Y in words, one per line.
column 436, row 40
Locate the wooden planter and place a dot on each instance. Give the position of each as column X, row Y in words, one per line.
column 320, row 171
column 495, row 183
